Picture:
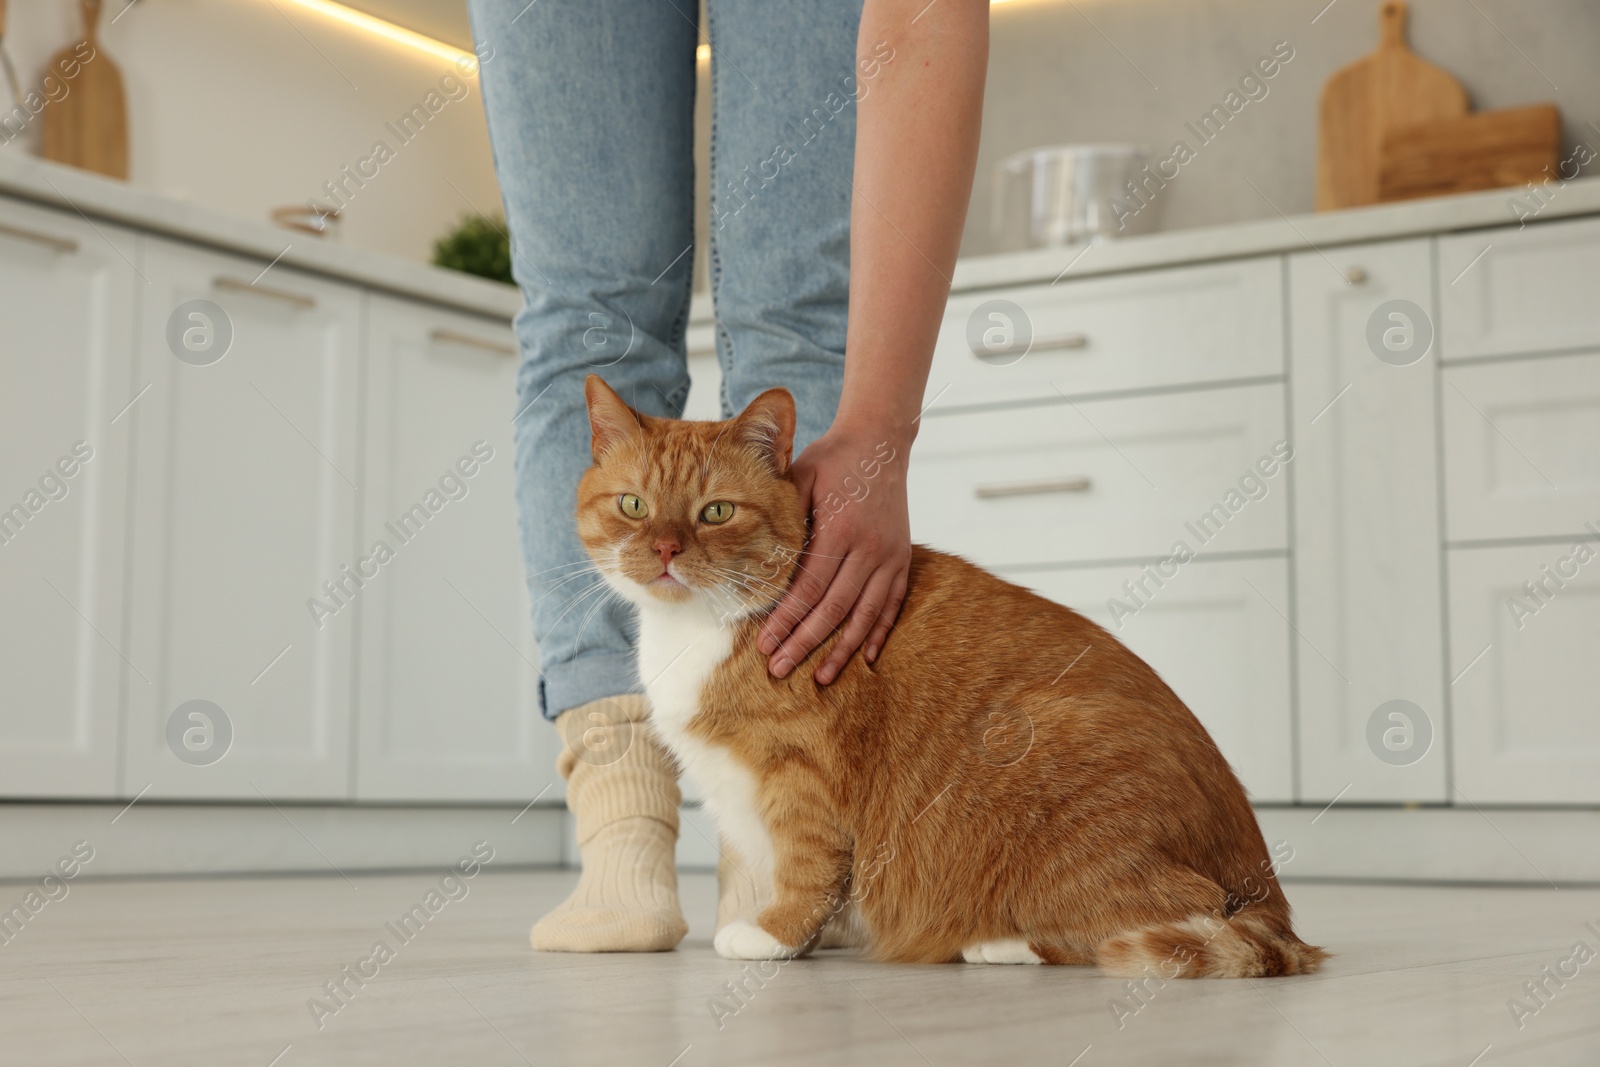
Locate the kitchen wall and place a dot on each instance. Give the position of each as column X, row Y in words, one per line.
column 245, row 105
column 1137, row 70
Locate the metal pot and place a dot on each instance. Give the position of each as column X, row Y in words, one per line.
column 1070, row 194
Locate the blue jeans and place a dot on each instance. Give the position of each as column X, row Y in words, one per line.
column 591, row 113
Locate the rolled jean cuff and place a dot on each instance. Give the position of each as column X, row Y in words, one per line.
column 592, row 677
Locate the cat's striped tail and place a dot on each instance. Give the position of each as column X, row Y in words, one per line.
column 1248, row 944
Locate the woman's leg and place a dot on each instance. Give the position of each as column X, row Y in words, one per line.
column 784, row 83
column 591, row 114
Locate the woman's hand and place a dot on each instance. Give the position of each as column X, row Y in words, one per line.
column 854, row 568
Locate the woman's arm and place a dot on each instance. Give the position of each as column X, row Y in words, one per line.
column 916, row 147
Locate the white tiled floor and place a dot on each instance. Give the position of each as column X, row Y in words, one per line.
column 219, row 971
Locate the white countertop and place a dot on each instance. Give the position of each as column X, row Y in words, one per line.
column 103, row 198
column 96, row 197
column 1288, row 233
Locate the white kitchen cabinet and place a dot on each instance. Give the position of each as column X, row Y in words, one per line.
column 1103, row 480
column 1217, row 631
column 66, row 359
column 1366, row 525
column 449, row 671
column 1526, row 700
column 1507, row 291
column 248, row 482
column 1522, row 447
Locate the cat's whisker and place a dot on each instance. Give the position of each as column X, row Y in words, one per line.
column 746, row 576
column 574, row 601
column 757, row 591
column 592, row 568
column 819, row 555
column 561, row 566
column 598, row 604
column 565, row 580
column 744, row 594
column 732, row 587
column 755, row 598
column 717, row 594
column 745, row 606
column 744, row 590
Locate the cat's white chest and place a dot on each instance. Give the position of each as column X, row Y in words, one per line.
column 680, row 647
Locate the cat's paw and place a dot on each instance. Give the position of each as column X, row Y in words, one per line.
column 1009, row 950
column 741, row 940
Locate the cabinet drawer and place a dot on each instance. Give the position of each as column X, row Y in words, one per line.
column 1217, row 633
column 1102, row 480
column 1522, row 447
column 1191, row 324
column 1525, row 707
column 1533, row 291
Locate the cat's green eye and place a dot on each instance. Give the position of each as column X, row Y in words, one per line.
column 632, row 506
column 717, row 512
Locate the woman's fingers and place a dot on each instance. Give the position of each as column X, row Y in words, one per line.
column 830, row 612
column 887, row 616
column 861, row 621
column 810, row 585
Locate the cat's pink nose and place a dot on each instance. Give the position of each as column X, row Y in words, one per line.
column 666, row 548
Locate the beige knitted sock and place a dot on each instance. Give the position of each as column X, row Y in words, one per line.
column 741, row 891
column 623, row 788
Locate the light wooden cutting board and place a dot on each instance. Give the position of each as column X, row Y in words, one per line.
column 1362, row 102
column 88, row 128
column 1484, row 150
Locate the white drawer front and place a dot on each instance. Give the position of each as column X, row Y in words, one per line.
column 1217, row 632
column 1527, row 700
column 1191, row 324
column 1532, row 291
column 1522, row 447
column 1104, row 480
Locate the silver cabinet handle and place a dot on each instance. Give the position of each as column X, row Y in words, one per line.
column 455, row 337
column 1040, row 344
column 49, row 240
column 299, row 300
column 1079, row 484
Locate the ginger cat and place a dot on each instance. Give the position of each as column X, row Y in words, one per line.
column 1005, row 784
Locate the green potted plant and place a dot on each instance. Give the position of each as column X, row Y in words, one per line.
column 477, row 245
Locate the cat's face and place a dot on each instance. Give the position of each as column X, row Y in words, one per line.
column 675, row 511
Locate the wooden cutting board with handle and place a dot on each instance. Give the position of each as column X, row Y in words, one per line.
column 1363, row 101
column 88, row 128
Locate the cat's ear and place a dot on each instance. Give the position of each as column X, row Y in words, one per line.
column 610, row 420
column 767, row 425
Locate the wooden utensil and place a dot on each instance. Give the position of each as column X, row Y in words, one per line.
column 1486, row 150
column 1362, row 102
column 12, row 85
column 88, row 128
